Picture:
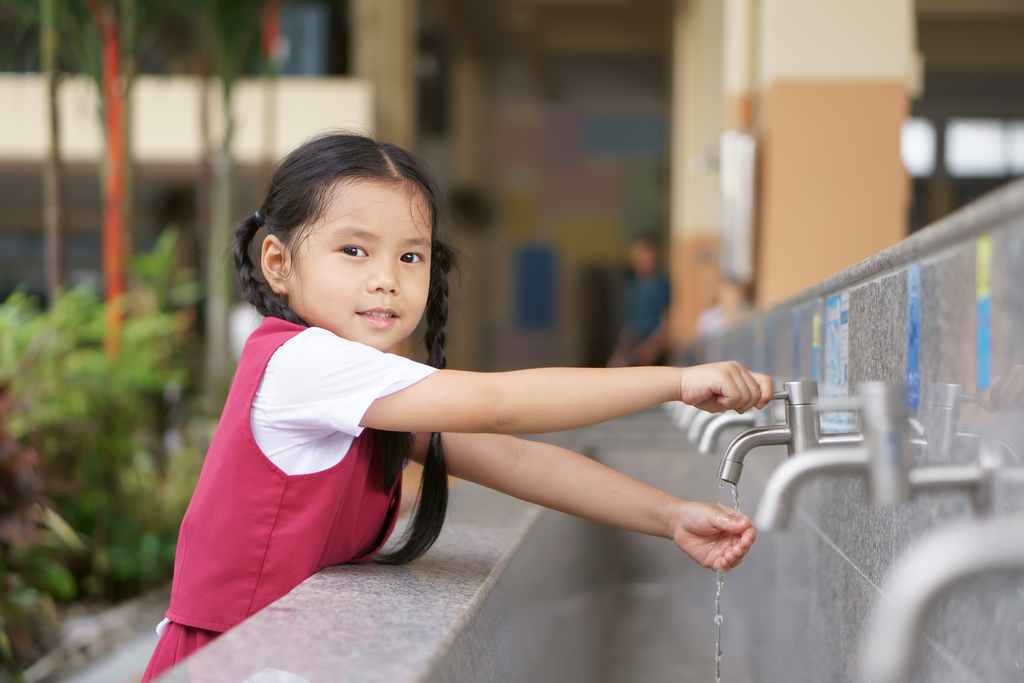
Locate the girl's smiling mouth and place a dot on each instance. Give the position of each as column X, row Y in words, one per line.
column 379, row 318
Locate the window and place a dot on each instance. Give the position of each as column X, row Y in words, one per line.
column 1015, row 147
column 917, row 147
column 984, row 148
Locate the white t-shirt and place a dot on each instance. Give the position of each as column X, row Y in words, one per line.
column 314, row 392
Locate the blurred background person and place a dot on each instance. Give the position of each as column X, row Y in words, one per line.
column 644, row 338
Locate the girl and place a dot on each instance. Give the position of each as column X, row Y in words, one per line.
column 304, row 470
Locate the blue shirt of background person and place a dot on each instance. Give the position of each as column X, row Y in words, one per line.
column 647, row 301
column 644, row 336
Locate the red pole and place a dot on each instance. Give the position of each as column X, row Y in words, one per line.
column 271, row 33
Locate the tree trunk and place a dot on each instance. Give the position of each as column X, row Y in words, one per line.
column 271, row 33
column 219, row 363
column 53, row 175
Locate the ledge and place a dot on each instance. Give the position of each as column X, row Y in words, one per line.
column 375, row 622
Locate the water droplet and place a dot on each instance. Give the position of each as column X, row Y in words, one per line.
column 719, row 619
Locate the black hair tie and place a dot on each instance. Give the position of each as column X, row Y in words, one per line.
column 258, row 217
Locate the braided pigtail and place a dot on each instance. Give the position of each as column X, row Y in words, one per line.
column 433, row 494
column 253, row 285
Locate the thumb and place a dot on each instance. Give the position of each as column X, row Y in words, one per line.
column 730, row 520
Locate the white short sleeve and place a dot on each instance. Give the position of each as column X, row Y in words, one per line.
column 314, row 393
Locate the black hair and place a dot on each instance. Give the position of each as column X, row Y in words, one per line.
column 649, row 238
column 297, row 197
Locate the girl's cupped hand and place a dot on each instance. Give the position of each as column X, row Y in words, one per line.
column 715, row 536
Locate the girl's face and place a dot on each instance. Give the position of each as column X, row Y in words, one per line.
column 363, row 270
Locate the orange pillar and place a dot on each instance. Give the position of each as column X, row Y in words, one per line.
column 835, row 78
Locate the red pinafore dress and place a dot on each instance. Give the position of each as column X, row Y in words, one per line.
column 252, row 533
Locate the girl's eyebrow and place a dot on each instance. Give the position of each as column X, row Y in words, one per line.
column 367, row 235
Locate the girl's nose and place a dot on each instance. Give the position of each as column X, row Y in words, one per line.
column 384, row 282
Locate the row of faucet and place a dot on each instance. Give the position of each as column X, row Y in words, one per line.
column 882, row 451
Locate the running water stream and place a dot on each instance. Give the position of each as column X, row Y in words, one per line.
column 718, row 598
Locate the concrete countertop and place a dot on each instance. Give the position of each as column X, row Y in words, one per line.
column 375, row 622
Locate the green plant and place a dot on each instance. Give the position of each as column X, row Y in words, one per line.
column 99, row 453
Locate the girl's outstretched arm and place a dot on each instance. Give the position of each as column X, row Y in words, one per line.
column 542, row 400
column 713, row 535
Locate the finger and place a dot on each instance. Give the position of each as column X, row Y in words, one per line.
column 715, row 405
column 728, row 519
column 767, row 389
column 753, row 391
column 741, row 394
column 752, row 382
column 728, row 390
column 742, row 386
column 730, row 559
column 746, row 539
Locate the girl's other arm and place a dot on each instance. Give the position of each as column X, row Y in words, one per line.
column 553, row 399
column 563, row 480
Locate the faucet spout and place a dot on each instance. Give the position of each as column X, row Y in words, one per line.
column 929, row 568
column 697, row 426
column 776, row 507
column 840, row 440
column 732, row 461
column 709, row 439
column 686, row 415
column 973, row 479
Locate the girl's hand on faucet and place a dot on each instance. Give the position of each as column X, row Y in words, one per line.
column 715, row 536
column 716, row 387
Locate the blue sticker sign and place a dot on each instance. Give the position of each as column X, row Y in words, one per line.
column 983, row 341
column 914, row 337
column 837, row 361
column 816, row 347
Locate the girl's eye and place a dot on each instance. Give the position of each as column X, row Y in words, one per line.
column 349, row 249
column 418, row 256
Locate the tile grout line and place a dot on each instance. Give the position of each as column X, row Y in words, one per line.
column 946, row 655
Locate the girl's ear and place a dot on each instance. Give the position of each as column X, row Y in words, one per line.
column 275, row 261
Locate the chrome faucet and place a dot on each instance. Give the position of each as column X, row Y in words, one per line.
column 801, row 432
column 681, row 413
column 686, row 415
column 891, row 642
column 700, row 421
column 938, row 435
column 884, row 460
column 708, row 443
column 975, row 479
column 883, row 419
column 723, row 421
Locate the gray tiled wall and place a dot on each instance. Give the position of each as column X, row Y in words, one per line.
column 807, row 592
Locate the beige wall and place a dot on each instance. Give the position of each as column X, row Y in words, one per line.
column 697, row 122
column 167, row 116
column 696, row 117
column 836, row 40
column 739, row 63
